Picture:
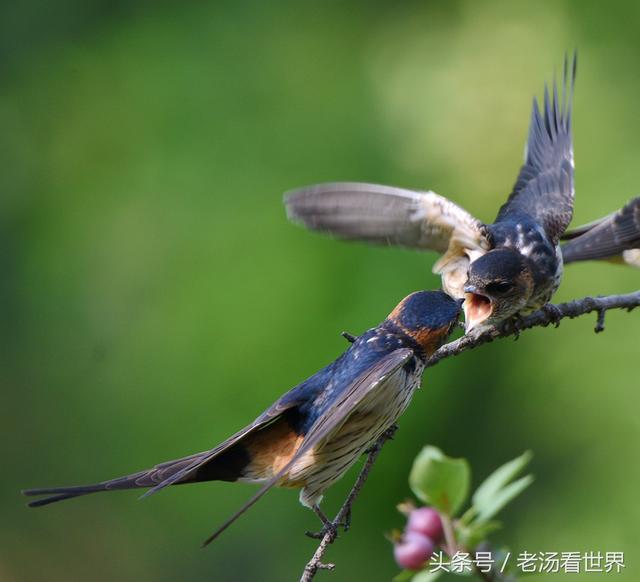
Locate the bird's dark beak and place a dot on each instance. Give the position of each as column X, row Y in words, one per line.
column 477, row 307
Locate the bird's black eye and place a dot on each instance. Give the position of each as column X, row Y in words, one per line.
column 499, row 287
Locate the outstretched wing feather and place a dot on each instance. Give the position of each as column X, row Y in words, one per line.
column 544, row 188
column 384, row 215
column 607, row 237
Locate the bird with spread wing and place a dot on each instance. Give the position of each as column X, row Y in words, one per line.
column 504, row 269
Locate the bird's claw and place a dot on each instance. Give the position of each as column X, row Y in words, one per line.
column 329, row 528
column 513, row 326
column 553, row 313
column 390, row 432
column 600, row 321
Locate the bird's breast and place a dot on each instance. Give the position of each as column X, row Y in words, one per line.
column 325, row 464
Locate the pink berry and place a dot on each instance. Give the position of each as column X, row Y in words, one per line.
column 413, row 550
column 425, row 520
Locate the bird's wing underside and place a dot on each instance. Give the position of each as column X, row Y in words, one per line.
column 368, row 383
column 384, row 215
column 606, row 238
column 544, row 189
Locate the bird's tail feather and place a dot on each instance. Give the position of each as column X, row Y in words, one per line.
column 52, row 498
column 148, row 478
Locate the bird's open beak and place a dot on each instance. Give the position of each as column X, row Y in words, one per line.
column 477, row 308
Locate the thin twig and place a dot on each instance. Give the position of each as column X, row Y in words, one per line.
column 542, row 317
column 315, row 563
column 449, row 535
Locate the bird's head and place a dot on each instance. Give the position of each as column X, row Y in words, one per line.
column 427, row 317
column 499, row 285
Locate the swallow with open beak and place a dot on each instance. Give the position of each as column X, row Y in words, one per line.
column 316, row 431
column 503, row 269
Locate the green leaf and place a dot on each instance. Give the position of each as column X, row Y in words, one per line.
column 504, row 496
column 498, row 479
column 470, row 536
column 440, row 480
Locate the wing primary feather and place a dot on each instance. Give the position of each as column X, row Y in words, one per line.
column 264, row 489
column 383, row 215
column 390, row 215
column 557, row 118
column 574, row 69
column 608, row 237
column 564, row 86
column 549, row 121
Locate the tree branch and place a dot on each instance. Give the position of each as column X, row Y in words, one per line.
column 547, row 315
column 543, row 317
column 315, row 563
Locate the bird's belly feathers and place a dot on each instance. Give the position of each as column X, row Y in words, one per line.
column 326, row 464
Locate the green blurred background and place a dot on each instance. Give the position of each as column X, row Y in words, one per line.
column 155, row 299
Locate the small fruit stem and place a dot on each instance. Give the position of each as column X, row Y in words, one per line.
column 449, row 535
column 468, row 515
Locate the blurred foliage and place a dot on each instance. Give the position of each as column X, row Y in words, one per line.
column 154, row 298
column 443, row 483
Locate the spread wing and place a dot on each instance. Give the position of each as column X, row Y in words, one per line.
column 384, row 215
column 606, row 238
column 366, row 385
column 394, row 216
column 544, row 189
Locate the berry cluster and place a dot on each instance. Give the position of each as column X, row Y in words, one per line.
column 414, row 547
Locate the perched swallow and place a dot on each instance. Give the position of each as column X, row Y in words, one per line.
column 316, row 431
column 502, row 269
column 615, row 238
